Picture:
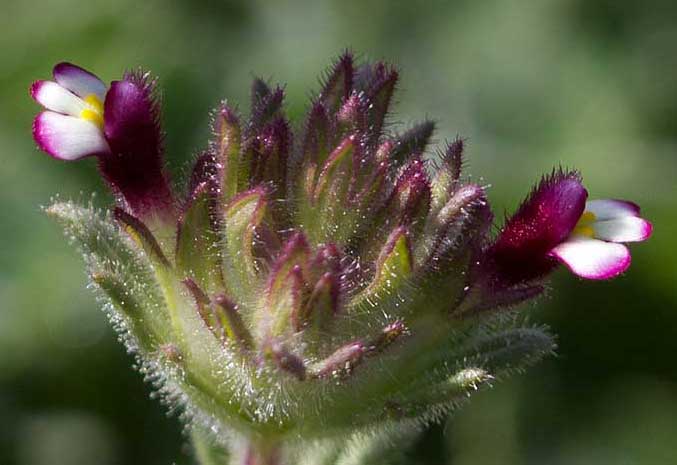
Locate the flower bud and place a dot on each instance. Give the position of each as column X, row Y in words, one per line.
column 340, row 363
column 410, row 201
column 338, row 84
column 266, row 106
column 352, row 116
column 287, row 361
column 378, row 82
column 448, row 174
column 413, row 141
column 226, row 147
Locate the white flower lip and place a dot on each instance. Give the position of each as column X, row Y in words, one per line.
column 72, row 127
column 594, row 250
column 67, row 137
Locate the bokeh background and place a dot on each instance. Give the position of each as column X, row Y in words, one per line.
column 532, row 85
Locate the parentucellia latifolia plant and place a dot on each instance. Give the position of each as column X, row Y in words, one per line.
column 314, row 296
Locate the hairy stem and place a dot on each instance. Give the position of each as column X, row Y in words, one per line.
column 258, row 454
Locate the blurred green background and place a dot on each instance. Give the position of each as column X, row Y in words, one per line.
column 582, row 83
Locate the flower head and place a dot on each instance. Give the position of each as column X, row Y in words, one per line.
column 314, row 283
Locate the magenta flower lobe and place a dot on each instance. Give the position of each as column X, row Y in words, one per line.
column 545, row 219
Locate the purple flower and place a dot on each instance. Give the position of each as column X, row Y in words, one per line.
column 555, row 224
column 119, row 125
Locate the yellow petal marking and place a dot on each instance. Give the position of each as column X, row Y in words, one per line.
column 94, row 110
column 584, row 225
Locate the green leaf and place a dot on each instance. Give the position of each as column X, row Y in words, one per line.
column 197, row 242
column 230, row 321
column 142, row 236
column 394, row 266
column 241, row 218
column 436, row 400
column 95, row 234
column 206, row 450
column 285, row 291
column 120, row 272
column 329, row 217
column 319, row 310
column 142, row 323
column 387, row 446
column 510, row 350
column 336, row 173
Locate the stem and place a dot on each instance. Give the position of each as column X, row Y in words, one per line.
column 240, row 451
column 259, row 454
column 206, row 452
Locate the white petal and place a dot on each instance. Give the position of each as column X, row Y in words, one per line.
column 624, row 229
column 592, row 258
column 56, row 98
column 67, row 137
column 79, row 81
column 606, row 209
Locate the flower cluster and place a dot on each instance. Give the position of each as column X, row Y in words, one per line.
column 309, row 284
